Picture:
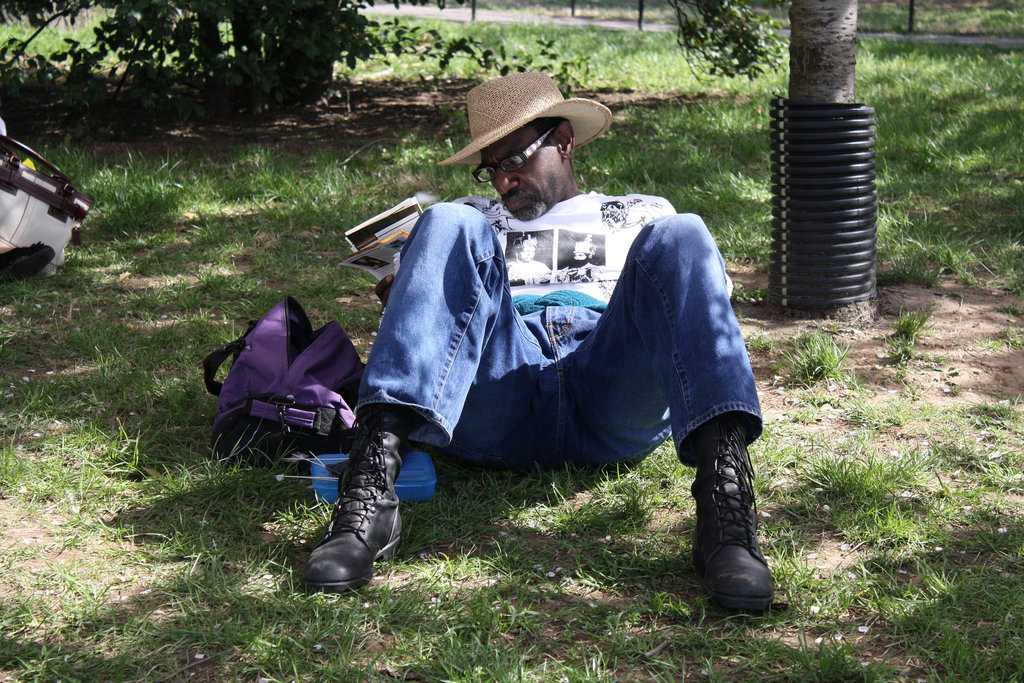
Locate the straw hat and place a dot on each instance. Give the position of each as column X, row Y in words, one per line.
column 503, row 105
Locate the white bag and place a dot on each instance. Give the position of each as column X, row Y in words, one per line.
column 37, row 205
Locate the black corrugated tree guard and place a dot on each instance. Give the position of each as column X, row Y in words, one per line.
column 824, row 203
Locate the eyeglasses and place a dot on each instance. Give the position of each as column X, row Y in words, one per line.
column 485, row 174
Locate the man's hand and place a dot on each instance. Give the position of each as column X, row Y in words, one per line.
column 383, row 288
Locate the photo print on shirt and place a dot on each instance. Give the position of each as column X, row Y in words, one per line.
column 581, row 256
column 494, row 211
column 619, row 214
column 529, row 256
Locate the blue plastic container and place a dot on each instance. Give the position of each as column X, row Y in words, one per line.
column 416, row 481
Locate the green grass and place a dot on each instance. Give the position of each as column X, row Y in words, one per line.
column 816, row 357
column 1001, row 18
column 893, row 526
column 907, row 329
column 51, row 38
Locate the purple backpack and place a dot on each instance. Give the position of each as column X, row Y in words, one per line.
column 289, row 389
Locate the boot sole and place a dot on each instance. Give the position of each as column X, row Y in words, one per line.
column 744, row 603
column 386, row 553
column 337, row 587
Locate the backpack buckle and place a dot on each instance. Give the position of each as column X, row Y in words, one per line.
column 282, row 410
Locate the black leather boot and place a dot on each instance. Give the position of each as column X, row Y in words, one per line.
column 366, row 525
column 725, row 548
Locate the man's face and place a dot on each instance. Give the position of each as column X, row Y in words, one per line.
column 528, row 251
column 545, row 180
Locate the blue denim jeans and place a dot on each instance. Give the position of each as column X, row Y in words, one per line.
column 564, row 384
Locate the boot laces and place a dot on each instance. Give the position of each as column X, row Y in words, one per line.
column 734, row 493
column 363, row 483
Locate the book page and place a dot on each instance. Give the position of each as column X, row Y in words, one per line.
column 378, row 241
column 380, row 259
column 383, row 224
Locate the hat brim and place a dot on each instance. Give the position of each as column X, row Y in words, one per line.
column 589, row 120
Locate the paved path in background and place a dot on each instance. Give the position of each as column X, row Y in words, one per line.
column 464, row 15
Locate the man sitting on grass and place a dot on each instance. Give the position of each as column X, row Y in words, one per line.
column 596, row 370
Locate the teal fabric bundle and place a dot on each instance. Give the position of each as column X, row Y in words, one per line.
column 531, row 303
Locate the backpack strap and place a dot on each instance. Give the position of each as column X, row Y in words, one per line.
column 318, row 419
column 216, row 358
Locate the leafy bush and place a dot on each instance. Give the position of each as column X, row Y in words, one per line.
column 201, row 57
column 221, row 51
column 729, row 35
column 213, row 56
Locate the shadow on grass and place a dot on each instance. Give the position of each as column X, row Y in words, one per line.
column 218, row 534
column 232, row 542
column 219, row 525
column 928, row 598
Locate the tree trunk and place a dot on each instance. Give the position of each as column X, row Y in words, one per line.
column 247, row 44
column 824, row 203
column 218, row 103
column 823, row 51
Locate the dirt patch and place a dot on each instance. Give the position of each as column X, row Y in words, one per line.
column 39, row 542
column 33, row 539
column 966, row 352
column 354, row 116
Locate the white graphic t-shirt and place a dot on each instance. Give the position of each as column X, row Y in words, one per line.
column 579, row 244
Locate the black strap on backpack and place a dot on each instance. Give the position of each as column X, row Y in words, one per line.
column 216, row 358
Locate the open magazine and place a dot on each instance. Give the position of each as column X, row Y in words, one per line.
column 378, row 241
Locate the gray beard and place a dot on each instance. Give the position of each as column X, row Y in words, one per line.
column 537, row 207
column 535, row 210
